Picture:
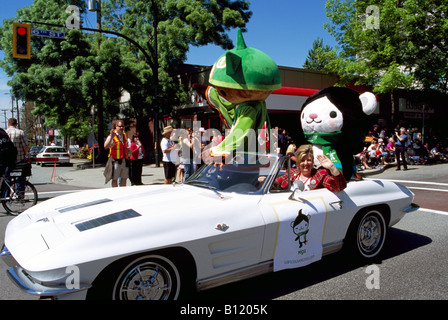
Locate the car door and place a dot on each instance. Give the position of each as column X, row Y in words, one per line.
column 296, row 225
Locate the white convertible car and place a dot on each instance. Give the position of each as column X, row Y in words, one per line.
column 223, row 225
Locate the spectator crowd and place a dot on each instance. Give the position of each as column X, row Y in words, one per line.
column 401, row 145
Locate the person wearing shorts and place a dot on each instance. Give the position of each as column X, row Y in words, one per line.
column 168, row 155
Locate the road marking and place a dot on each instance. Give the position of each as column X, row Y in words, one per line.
column 415, row 182
column 435, row 211
column 421, row 188
column 62, row 191
column 428, row 189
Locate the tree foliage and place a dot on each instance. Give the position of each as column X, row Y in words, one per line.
column 405, row 46
column 49, row 78
column 317, row 58
column 66, row 77
column 179, row 23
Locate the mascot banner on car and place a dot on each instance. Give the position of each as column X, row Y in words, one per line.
column 300, row 233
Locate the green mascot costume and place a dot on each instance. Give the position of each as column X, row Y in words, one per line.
column 242, row 79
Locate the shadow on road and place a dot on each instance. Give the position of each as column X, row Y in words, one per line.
column 274, row 285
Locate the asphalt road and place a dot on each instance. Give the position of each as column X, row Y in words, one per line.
column 413, row 267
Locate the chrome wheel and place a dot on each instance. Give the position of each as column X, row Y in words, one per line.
column 371, row 234
column 148, row 278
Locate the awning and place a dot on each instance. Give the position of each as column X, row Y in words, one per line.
column 288, row 98
column 283, row 99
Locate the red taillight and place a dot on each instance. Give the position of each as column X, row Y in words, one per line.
column 46, row 155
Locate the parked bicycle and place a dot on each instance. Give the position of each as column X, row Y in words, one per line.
column 16, row 193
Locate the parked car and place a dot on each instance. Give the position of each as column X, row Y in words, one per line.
column 52, row 154
column 34, row 150
column 223, row 224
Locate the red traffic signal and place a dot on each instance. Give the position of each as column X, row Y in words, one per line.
column 21, row 31
column 21, row 40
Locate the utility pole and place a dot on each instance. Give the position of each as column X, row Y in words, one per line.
column 6, row 122
column 12, row 106
column 156, row 85
column 18, row 113
column 26, row 119
column 95, row 5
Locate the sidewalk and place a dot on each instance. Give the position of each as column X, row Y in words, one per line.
column 378, row 170
column 84, row 175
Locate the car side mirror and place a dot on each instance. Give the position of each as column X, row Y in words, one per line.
column 298, row 187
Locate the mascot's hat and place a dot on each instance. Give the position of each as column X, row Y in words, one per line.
column 245, row 68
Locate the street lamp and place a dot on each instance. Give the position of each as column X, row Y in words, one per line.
column 92, row 5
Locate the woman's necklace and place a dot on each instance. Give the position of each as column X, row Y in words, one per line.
column 303, row 178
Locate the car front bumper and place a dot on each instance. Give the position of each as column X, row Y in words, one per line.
column 33, row 286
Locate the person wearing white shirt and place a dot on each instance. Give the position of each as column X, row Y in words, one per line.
column 170, row 155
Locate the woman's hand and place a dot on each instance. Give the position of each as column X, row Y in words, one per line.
column 327, row 164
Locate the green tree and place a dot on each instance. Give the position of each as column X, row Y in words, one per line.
column 66, row 77
column 317, row 58
column 179, row 24
column 166, row 29
column 391, row 43
column 425, row 25
column 48, row 78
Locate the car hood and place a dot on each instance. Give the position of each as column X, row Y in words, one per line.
column 89, row 225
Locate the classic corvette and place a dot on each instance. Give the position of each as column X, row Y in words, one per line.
column 224, row 224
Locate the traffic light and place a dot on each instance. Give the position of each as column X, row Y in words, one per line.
column 21, row 40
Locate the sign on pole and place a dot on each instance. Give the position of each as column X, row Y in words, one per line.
column 48, row 33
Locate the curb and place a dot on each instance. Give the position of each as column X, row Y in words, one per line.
column 371, row 172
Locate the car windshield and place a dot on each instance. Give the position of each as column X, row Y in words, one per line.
column 246, row 174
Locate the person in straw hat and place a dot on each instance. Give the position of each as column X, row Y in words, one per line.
column 169, row 157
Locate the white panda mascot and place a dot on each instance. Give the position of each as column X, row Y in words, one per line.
column 334, row 120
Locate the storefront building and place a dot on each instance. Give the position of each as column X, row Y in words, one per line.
column 410, row 108
column 283, row 105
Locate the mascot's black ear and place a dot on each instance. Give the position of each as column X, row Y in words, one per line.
column 369, row 103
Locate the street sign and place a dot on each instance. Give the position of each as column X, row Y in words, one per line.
column 48, row 33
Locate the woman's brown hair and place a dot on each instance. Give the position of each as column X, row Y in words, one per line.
column 304, row 150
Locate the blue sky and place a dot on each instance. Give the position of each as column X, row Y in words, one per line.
column 284, row 29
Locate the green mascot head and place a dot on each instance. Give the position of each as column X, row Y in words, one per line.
column 245, row 68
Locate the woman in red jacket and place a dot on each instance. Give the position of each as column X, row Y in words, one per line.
column 327, row 175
